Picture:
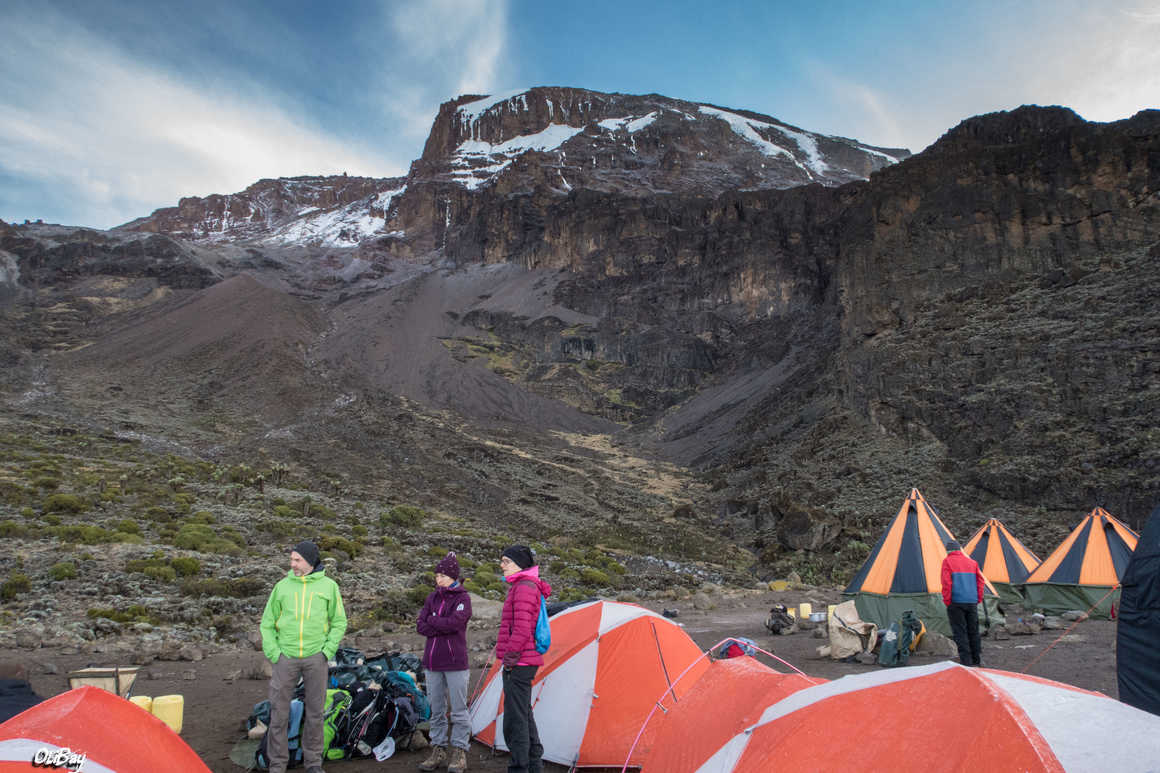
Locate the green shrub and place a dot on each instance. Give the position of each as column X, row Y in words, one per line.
column 286, row 512
column 158, row 514
column 161, row 573
column 45, row 482
column 202, row 516
column 13, row 529
column 358, row 530
column 402, row 606
column 65, row 503
column 594, row 577
column 436, row 552
column 280, row 529
column 127, row 526
column 403, row 515
column 239, row 587
column 334, row 542
column 85, row 534
column 15, row 585
column 133, row 614
column 65, row 570
column 186, row 566
column 200, row 537
column 141, row 564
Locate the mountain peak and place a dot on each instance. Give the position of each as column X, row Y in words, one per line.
column 643, row 143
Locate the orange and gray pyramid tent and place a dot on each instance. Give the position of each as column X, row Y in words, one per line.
column 904, row 571
column 1002, row 558
column 1084, row 571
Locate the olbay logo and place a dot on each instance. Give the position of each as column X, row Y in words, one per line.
column 59, row 758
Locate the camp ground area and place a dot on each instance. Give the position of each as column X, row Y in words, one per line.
column 221, row 688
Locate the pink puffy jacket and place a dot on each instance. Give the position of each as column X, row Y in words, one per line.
column 516, row 643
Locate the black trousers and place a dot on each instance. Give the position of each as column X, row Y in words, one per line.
column 964, row 620
column 519, row 724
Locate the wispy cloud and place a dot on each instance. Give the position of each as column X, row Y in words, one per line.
column 443, row 48
column 116, row 138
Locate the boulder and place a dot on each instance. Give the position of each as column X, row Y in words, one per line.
column 937, row 645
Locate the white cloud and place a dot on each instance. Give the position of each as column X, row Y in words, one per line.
column 80, row 116
column 443, row 48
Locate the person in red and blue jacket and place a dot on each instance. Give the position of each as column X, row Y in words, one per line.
column 515, row 646
column 962, row 591
column 443, row 620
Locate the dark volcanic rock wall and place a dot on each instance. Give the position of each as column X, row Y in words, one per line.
column 262, row 207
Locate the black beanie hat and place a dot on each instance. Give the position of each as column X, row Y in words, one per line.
column 521, row 555
column 449, row 566
column 953, row 545
column 309, row 551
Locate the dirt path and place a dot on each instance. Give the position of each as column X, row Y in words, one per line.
column 217, row 700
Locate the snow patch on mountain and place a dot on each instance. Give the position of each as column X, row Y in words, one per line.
column 471, row 112
column 340, row 227
column 808, row 145
column 630, row 125
column 476, row 163
column 746, row 128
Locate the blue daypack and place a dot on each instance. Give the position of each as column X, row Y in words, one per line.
column 293, row 739
column 543, row 629
column 543, row 633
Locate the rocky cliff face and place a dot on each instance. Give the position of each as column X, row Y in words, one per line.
column 810, row 325
column 337, row 211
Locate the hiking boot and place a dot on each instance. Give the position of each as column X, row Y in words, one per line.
column 437, row 757
column 458, row 761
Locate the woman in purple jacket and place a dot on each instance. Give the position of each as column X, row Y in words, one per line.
column 444, row 622
column 516, row 646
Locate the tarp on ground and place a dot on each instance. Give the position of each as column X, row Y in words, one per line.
column 114, row 735
column 942, row 717
column 1084, row 571
column 904, row 571
column 1138, row 626
column 1002, row 558
column 608, row 665
column 728, row 697
column 849, row 634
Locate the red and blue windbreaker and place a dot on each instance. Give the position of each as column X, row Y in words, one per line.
column 962, row 582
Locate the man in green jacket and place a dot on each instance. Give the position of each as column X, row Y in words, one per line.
column 301, row 629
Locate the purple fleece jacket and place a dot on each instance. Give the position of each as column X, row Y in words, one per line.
column 443, row 620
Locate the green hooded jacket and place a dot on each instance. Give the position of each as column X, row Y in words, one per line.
column 304, row 616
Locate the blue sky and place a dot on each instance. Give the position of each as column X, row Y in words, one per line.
column 109, row 110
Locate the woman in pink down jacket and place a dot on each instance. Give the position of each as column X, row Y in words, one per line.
column 516, row 647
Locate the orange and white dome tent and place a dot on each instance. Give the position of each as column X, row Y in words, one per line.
column 943, row 717
column 608, row 665
column 112, row 734
column 728, row 698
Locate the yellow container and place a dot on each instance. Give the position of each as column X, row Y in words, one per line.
column 830, row 610
column 804, row 610
column 778, row 585
column 792, row 613
column 169, row 709
column 144, row 701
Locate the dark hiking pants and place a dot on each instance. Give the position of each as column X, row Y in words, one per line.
column 519, row 724
column 964, row 620
column 283, row 680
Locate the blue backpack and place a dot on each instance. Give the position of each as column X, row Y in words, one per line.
column 293, row 739
column 543, row 629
